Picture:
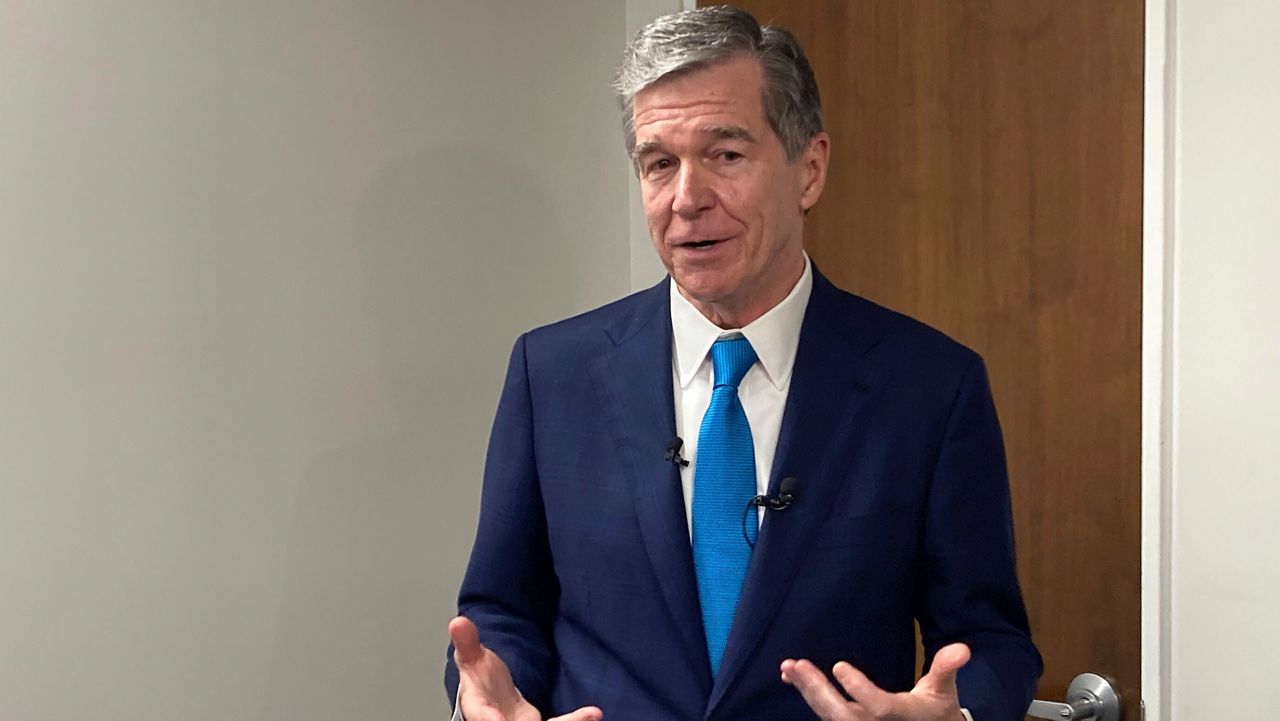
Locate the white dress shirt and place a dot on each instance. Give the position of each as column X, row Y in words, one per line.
column 763, row 390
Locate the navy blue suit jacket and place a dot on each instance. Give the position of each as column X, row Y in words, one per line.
column 582, row 579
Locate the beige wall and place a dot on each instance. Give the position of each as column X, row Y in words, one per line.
column 260, row 268
column 1225, row 361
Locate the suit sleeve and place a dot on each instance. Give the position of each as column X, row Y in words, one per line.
column 969, row 579
column 510, row 589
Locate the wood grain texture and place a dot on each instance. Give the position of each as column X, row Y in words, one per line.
column 986, row 178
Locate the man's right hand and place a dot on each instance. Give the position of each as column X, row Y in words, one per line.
column 485, row 689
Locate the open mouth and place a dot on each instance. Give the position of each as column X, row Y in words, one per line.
column 701, row 243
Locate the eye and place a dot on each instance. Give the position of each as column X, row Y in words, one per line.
column 659, row 165
column 731, row 156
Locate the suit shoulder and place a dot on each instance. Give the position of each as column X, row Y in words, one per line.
column 586, row 331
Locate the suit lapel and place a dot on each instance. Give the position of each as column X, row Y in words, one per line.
column 830, row 390
column 634, row 379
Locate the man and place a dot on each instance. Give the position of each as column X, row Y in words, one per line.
column 614, row 577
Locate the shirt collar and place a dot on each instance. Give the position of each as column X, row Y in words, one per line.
column 774, row 335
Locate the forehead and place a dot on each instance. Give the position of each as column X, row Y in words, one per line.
column 723, row 94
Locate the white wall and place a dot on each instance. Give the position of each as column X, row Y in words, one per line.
column 1225, row 595
column 260, row 268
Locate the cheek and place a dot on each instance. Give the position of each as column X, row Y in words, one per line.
column 657, row 223
column 748, row 197
column 781, row 208
column 657, row 220
column 738, row 203
column 657, row 211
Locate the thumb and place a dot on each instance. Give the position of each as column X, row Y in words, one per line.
column 466, row 641
column 941, row 678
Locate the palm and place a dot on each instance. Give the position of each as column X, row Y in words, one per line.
column 487, row 687
column 934, row 698
column 923, row 704
column 486, row 691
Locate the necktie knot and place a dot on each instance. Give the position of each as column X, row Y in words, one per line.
column 731, row 358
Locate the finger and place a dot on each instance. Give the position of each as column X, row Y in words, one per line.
column 586, row 713
column 861, row 689
column 818, row 692
column 942, row 672
column 466, row 641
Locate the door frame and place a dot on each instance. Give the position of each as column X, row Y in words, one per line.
column 1158, row 236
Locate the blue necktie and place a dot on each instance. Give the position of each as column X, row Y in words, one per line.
column 724, row 480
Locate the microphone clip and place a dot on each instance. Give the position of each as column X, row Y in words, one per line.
column 673, row 452
column 781, row 502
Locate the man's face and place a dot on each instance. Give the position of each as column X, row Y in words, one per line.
column 724, row 207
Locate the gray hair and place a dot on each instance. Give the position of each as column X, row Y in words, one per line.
column 693, row 39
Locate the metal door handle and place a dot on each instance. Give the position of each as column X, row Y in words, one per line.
column 1090, row 697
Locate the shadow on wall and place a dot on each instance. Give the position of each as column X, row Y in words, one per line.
column 463, row 252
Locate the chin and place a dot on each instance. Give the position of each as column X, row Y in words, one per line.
column 702, row 289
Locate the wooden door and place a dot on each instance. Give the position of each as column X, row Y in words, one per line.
column 986, row 178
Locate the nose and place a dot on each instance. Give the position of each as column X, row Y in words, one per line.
column 693, row 194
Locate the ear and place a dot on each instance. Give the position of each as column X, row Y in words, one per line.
column 812, row 165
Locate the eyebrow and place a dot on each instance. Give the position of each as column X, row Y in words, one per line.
column 646, row 147
column 728, row 132
column 723, row 132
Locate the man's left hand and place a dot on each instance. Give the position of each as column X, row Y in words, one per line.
column 934, row 697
